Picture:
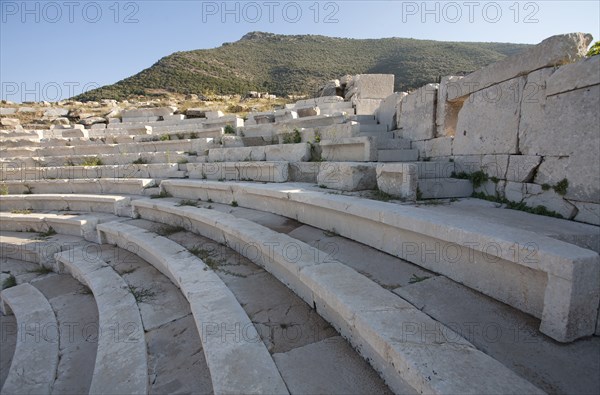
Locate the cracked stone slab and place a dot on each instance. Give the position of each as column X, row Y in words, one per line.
column 333, row 367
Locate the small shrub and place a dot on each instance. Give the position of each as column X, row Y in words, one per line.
column 163, row 194
column 296, row 137
column 478, row 178
column 561, row 187
column 229, row 129
column 323, row 186
column 69, row 162
column 192, row 203
column 10, row 282
column 26, row 211
column 96, row 161
column 180, row 136
column 168, row 230
column 193, row 136
column 546, row 187
column 234, row 204
column 142, row 295
column 3, row 190
column 48, row 233
column 40, row 270
column 594, row 49
column 416, row 279
column 140, row 161
column 165, row 137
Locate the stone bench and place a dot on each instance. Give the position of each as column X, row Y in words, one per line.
column 111, row 204
column 127, row 186
column 433, row 360
column 237, row 364
column 121, row 360
column 107, row 159
column 316, row 134
column 349, row 149
column 35, row 360
column 66, row 224
column 272, row 153
column 547, row 278
column 163, row 170
column 31, row 247
column 248, row 171
column 108, row 148
column 347, row 176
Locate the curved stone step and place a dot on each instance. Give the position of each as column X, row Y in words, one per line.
column 37, row 248
column 111, row 204
column 301, row 342
column 127, row 186
column 33, row 174
column 121, row 360
column 236, row 365
column 532, row 272
column 361, row 310
column 66, row 223
column 34, row 363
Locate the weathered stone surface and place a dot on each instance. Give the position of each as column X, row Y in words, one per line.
column 553, row 51
column 288, row 152
column 370, row 86
column 488, row 121
column 587, row 212
column 321, row 361
column 440, row 146
column 55, row 112
column 147, row 112
column 389, row 110
column 331, row 88
column 571, row 129
column 7, row 111
column 241, row 171
column 417, row 116
column 236, row 154
column 92, row 120
column 214, row 114
column 581, row 74
column 447, row 112
column 308, row 112
column 521, row 168
column 398, row 179
column 353, row 149
column 34, row 363
column 347, row 176
column 366, row 106
column 533, row 195
column 304, row 172
column 492, row 165
column 443, row 188
column 9, row 121
column 196, row 112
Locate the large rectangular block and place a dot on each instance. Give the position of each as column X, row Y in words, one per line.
column 573, row 76
column 371, row 86
column 389, row 109
column 240, row 171
column 553, row 51
column 352, row 149
column 288, row 152
column 398, row 179
column 147, row 112
column 488, row 121
column 570, row 129
column 366, row 106
column 347, row 176
column 417, row 114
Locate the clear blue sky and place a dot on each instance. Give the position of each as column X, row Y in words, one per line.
column 57, row 48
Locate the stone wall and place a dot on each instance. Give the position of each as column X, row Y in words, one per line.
column 530, row 123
